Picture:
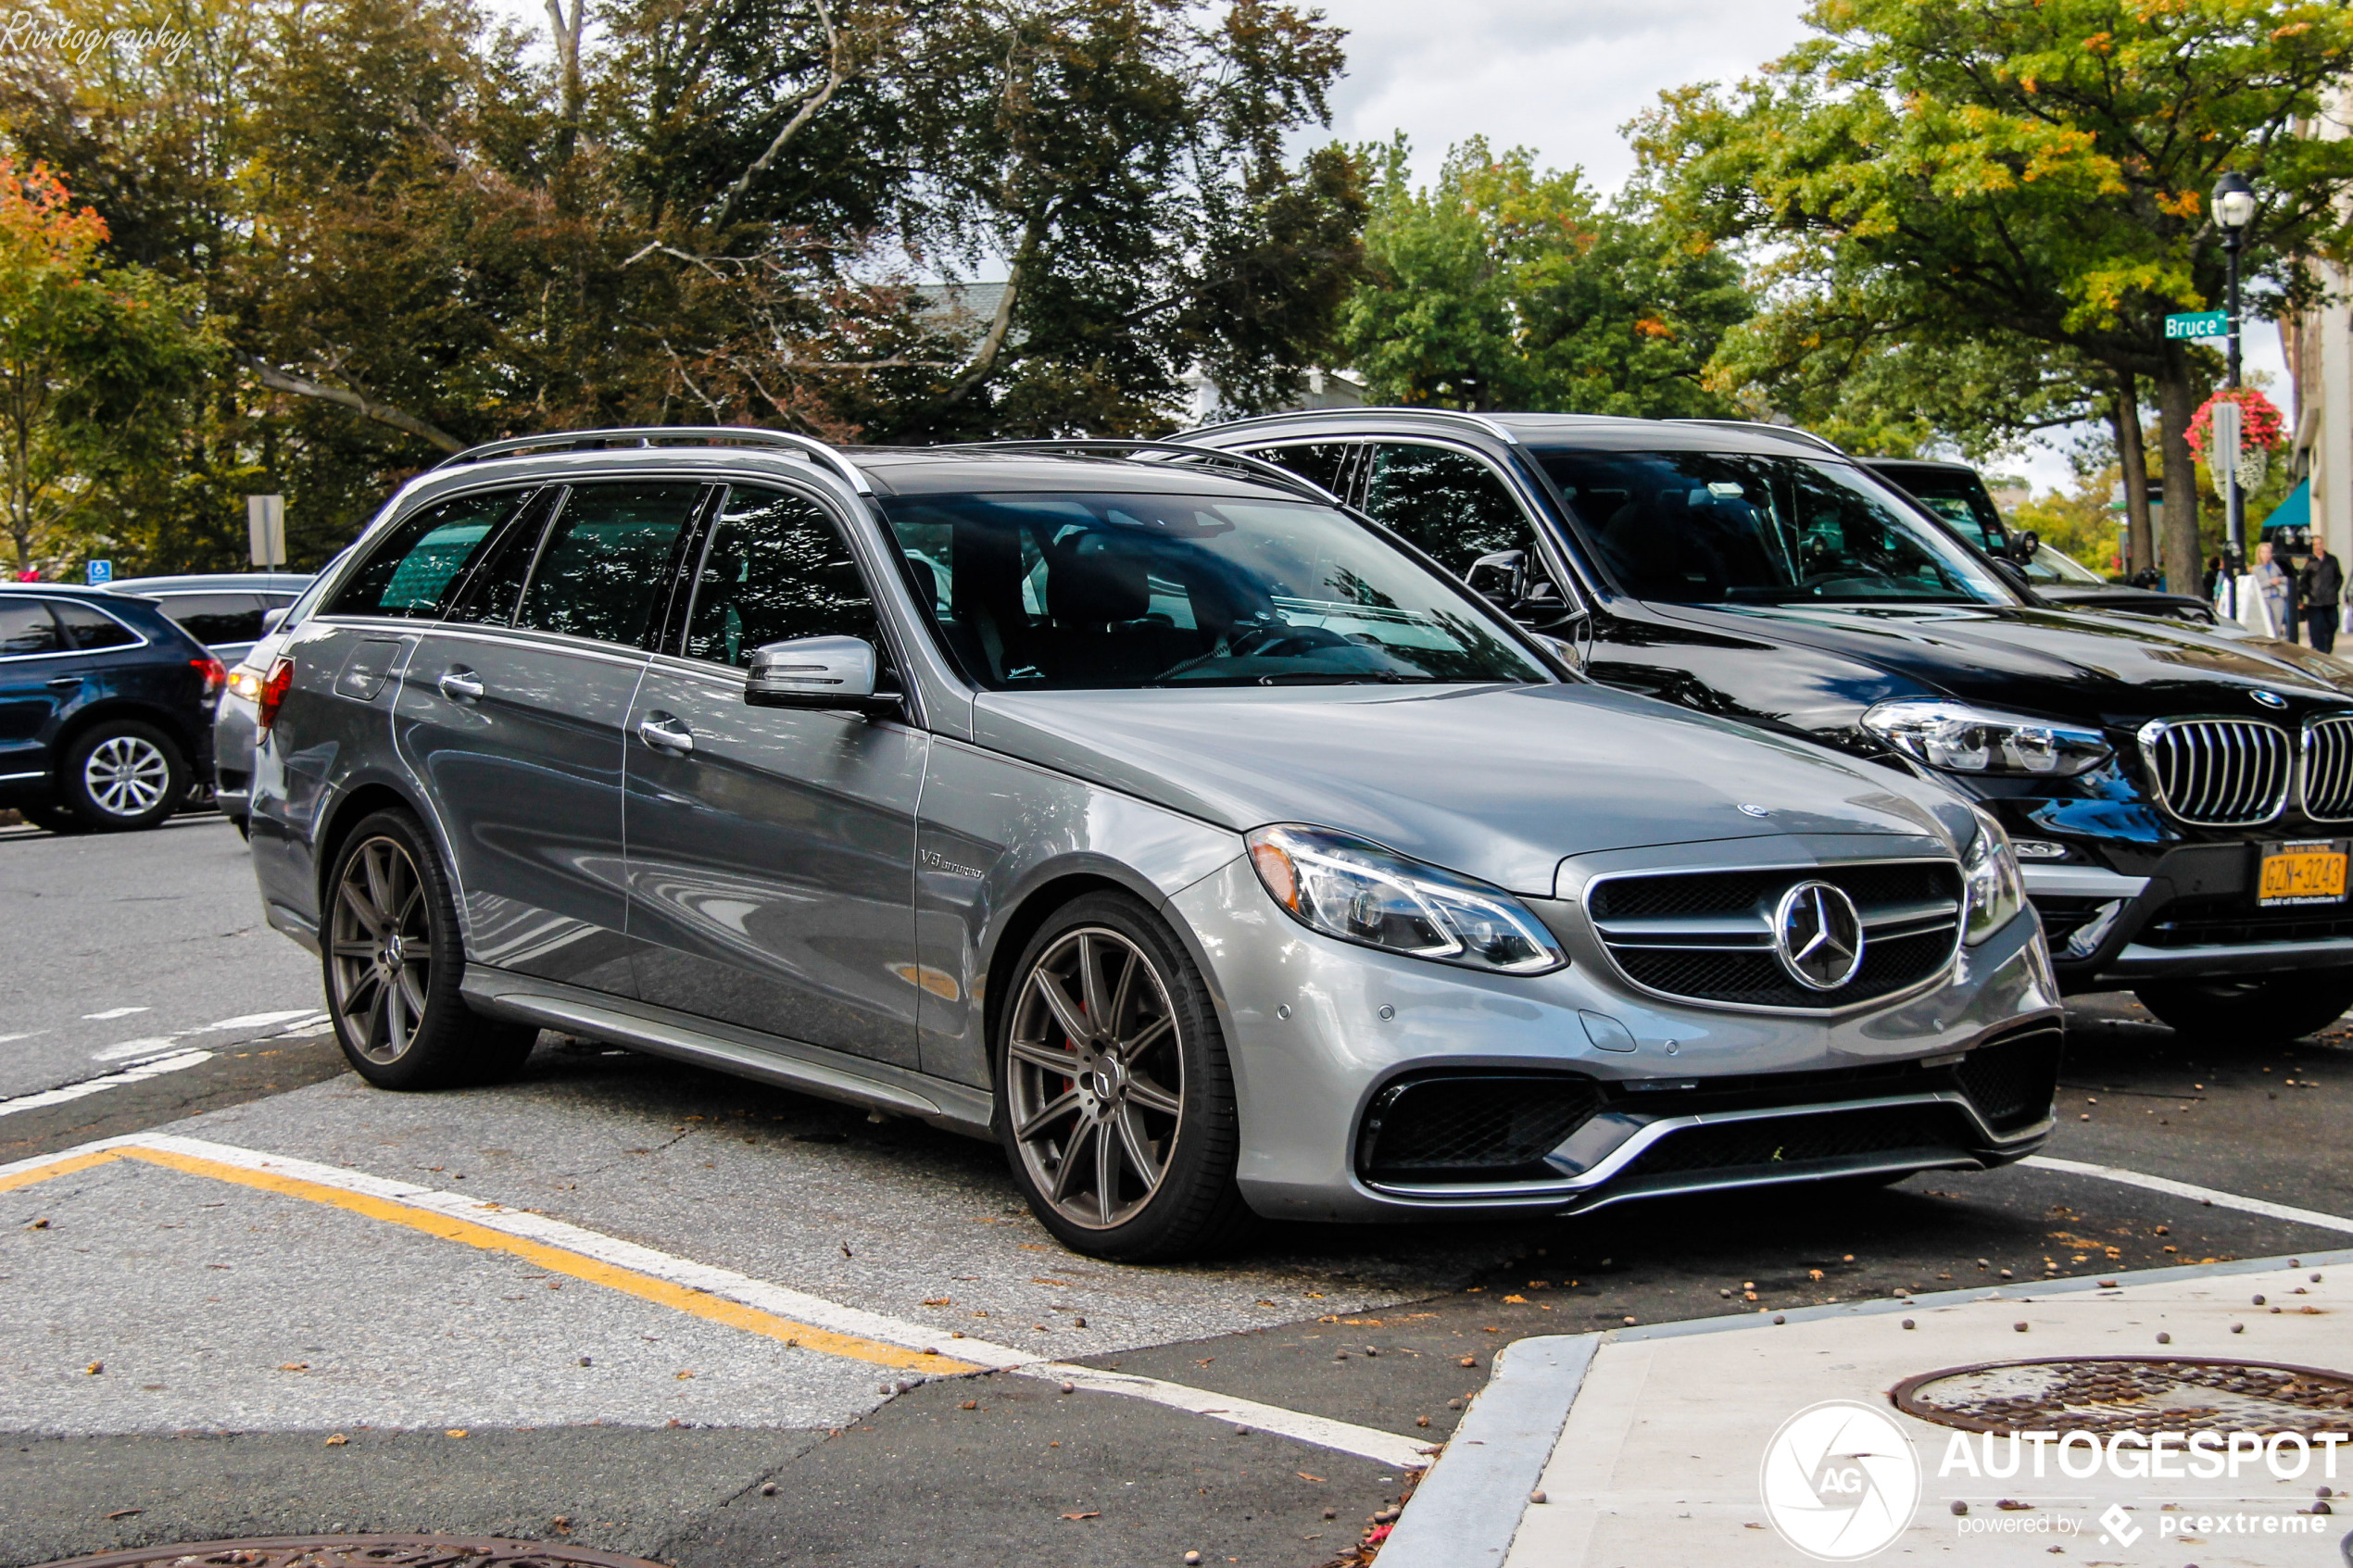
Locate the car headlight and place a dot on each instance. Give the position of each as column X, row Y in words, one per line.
column 1957, row 737
column 1359, row 891
column 1992, row 889
column 246, row 682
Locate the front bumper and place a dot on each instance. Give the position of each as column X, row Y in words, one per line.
column 1684, row 1098
column 2195, row 915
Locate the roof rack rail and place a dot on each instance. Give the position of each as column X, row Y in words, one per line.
column 1790, row 433
column 1208, row 456
column 1481, row 421
column 805, row 446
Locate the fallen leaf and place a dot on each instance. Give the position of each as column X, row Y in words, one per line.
column 455, row 1432
column 337, row 1440
column 1036, row 1280
column 969, row 1405
column 1094, row 1514
column 94, row 1369
column 1521, row 1300
column 939, row 1302
column 294, row 1366
column 683, row 1375
column 1304, row 1476
column 125, row 1512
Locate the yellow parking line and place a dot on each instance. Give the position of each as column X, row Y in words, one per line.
column 556, row 1260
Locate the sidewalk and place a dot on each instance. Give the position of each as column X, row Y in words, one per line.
column 1649, row 1445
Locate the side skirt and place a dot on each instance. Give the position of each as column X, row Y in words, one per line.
column 791, row 1064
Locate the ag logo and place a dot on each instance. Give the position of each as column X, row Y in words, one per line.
column 1839, row 1481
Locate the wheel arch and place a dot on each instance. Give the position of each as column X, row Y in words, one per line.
column 108, row 710
column 357, row 801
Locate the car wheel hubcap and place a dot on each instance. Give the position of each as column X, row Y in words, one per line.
column 380, row 961
column 126, row 775
column 1096, row 1077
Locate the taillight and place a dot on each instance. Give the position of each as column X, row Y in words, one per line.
column 215, row 674
column 273, row 692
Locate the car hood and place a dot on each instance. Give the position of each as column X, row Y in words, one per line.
column 2055, row 663
column 1498, row 781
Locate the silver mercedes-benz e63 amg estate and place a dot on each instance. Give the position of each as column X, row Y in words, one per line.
column 1139, row 807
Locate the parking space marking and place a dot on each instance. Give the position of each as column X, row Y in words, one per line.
column 2219, row 1198
column 717, row 1295
column 1366, row 1442
column 64, row 1093
column 114, row 1012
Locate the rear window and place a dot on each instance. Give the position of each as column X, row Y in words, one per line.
column 215, row 618
column 25, row 628
column 417, row 568
column 90, row 627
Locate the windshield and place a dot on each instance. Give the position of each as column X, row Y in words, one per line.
column 1063, row 592
column 2049, row 566
column 1730, row 528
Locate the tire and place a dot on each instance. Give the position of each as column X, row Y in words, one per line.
column 2259, row 1010
column 121, row 776
column 392, row 957
column 1065, row 1105
column 56, row 818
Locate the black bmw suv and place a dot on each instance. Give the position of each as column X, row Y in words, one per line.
column 2181, row 799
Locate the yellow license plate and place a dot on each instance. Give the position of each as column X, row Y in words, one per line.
column 2302, row 873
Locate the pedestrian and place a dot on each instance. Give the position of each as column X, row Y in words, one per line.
column 2213, row 578
column 2322, row 583
column 2271, row 582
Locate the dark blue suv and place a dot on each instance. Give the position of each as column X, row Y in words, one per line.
column 106, row 708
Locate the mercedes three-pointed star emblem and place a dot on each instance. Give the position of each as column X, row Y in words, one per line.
column 1818, row 935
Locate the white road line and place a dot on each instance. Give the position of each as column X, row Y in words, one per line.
column 114, row 1012
column 97, row 1085
column 2219, row 1199
column 261, row 1021
column 1382, row 1448
column 153, row 1045
column 27, row 1035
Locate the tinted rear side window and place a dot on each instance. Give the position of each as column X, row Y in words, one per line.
column 89, row 629
column 602, row 566
column 25, row 628
column 413, row 574
column 215, row 618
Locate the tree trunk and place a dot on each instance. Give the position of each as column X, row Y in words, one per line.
column 2184, row 571
column 2140, row 547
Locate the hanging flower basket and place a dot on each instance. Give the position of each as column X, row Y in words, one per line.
column 2261, row 428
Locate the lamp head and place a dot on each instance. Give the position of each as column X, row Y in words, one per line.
column 2234, row 202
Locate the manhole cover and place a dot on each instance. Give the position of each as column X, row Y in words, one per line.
column 2130, row 1394
column 359, row 1551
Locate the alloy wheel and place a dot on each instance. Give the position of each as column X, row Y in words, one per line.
column 381, row 955
column 1095, row 1077
column 126, row 775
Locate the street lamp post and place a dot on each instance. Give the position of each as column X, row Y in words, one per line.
column 2233, row 210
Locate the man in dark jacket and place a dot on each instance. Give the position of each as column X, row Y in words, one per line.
column 2319, row 585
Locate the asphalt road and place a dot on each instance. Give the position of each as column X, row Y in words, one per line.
column 238, row 1326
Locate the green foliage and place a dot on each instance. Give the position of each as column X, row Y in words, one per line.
column 1981, row 170
column 1504, row 287
column 410, row 236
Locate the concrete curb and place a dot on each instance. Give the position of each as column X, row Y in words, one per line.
column 1468, row 1507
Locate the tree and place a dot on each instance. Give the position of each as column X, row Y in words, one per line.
column 1504, row 287
column 92, row 360
column 1984, row 169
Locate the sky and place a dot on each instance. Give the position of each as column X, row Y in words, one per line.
column 1560, row 78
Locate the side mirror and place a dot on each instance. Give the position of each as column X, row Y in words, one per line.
column 2023, row 545
column 2012, row 571
column 1501, row 579
column 273, row 619
column 820, row 672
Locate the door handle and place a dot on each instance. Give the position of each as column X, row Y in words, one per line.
column 665, row 731
column 461, row 684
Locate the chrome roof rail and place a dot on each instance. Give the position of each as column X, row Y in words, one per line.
column 622, row 436
column 1480, row 420
column 1206, row 456
column 1788, row 432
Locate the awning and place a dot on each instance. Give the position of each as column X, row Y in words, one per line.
column 2293, row 512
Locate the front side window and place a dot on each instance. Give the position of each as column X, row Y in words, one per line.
column 1324, row 462
column 603, row 564
column 2051, row 568
column 89, row 627
column 1450, row 503
column 774, row 568
column 1734, row 528
column 416, row 569
column 26, row 629
column 1063, row 591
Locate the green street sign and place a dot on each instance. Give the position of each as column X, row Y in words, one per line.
column 2199, row 323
